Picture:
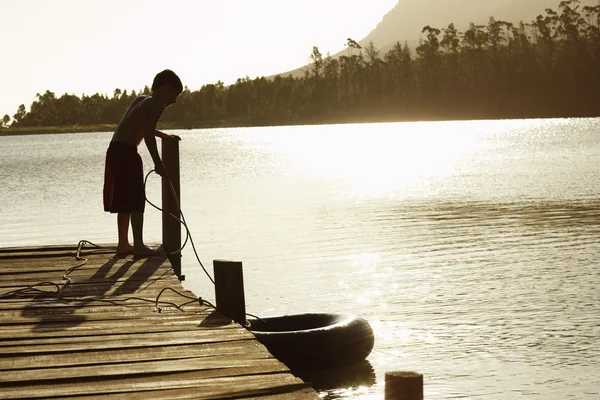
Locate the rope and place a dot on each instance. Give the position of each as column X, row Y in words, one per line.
column 182, row 221
column 200, row 300
column 32, row 293
column 78, row 258
column 257, row 317
column 172, row 216
column 31, row 288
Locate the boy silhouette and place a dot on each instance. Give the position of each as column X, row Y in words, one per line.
column 124, row 174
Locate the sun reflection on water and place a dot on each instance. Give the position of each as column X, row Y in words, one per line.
column 418, row 154
column 360, row 393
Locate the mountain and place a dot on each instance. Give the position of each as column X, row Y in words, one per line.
column 406, row 20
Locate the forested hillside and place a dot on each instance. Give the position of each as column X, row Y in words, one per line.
column 547, row 67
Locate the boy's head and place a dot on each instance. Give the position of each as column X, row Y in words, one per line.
column 168, row 86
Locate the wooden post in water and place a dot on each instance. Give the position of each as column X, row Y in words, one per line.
column 229, row 289
column 171, row 228
column 403, row 385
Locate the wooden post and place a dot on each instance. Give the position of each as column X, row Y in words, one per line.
column 171, row 228
column 229, row 289
column 403, row 385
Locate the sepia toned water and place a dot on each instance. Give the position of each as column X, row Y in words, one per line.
column 470, row 247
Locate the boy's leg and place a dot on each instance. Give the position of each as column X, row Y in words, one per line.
column 139, row 248
column 123, row 247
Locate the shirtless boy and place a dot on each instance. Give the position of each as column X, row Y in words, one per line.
column 124, row 174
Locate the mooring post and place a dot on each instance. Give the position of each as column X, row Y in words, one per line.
column 229, row 289
column 171, row 228
column 403, row 385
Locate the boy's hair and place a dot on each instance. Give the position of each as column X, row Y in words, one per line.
column 167, row 77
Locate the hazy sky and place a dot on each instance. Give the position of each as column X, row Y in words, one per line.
column 89, row 46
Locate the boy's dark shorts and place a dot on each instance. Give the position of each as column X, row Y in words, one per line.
column 123, row 179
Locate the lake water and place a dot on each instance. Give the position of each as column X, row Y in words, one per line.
column 470, row 247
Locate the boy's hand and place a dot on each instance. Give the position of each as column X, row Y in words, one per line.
column 159, row 168
column 166, row 136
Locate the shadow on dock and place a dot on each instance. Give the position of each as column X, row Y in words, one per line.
column 102, row 283
column 214, row 319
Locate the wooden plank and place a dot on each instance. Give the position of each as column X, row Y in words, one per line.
column 250, row 348
column 287, row 393
column 19, row 267
column 300, row 394
column 147, row 288
column 51, row 253
column 98, row 283
column 96, row 304
column 51, row 300
column 56, row 272
column 109, row 289
column 53, row 315
column 116, row 369
column 68, row 254
column 111, row 320
column 105, row 263
column 11, row 271
column 49, row 292
column 132, row 301
column 132, row 272
column 214, row 384
column 76, row 328
column 51, row 247
column 53, row 250
column 101, row 312
column 108, row 317
column 137, row 341
column 54, row 247
column 91, row 336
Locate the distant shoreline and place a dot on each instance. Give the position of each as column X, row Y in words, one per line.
column 41, row 130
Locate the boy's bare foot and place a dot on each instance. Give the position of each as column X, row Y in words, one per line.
column 144, row 251
column 124, row 250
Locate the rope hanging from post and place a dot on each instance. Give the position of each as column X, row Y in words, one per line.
column 183, row 222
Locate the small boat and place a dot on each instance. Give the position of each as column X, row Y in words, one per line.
column 315, row 340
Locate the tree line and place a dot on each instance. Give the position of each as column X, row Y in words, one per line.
column 549, row 67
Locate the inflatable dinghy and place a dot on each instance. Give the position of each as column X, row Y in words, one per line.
column 316, row 340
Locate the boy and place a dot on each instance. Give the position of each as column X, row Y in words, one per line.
column 124, row 174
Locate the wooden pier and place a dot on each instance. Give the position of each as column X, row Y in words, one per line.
column 97, row 332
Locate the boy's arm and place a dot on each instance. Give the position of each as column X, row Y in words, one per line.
column 166, row 136
column 150, row 140
column 160, row 134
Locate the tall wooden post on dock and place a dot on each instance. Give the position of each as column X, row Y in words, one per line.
column 403, row 385
column 171, row 231
column 229, row 289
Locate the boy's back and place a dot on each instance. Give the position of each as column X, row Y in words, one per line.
column 143, row 111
